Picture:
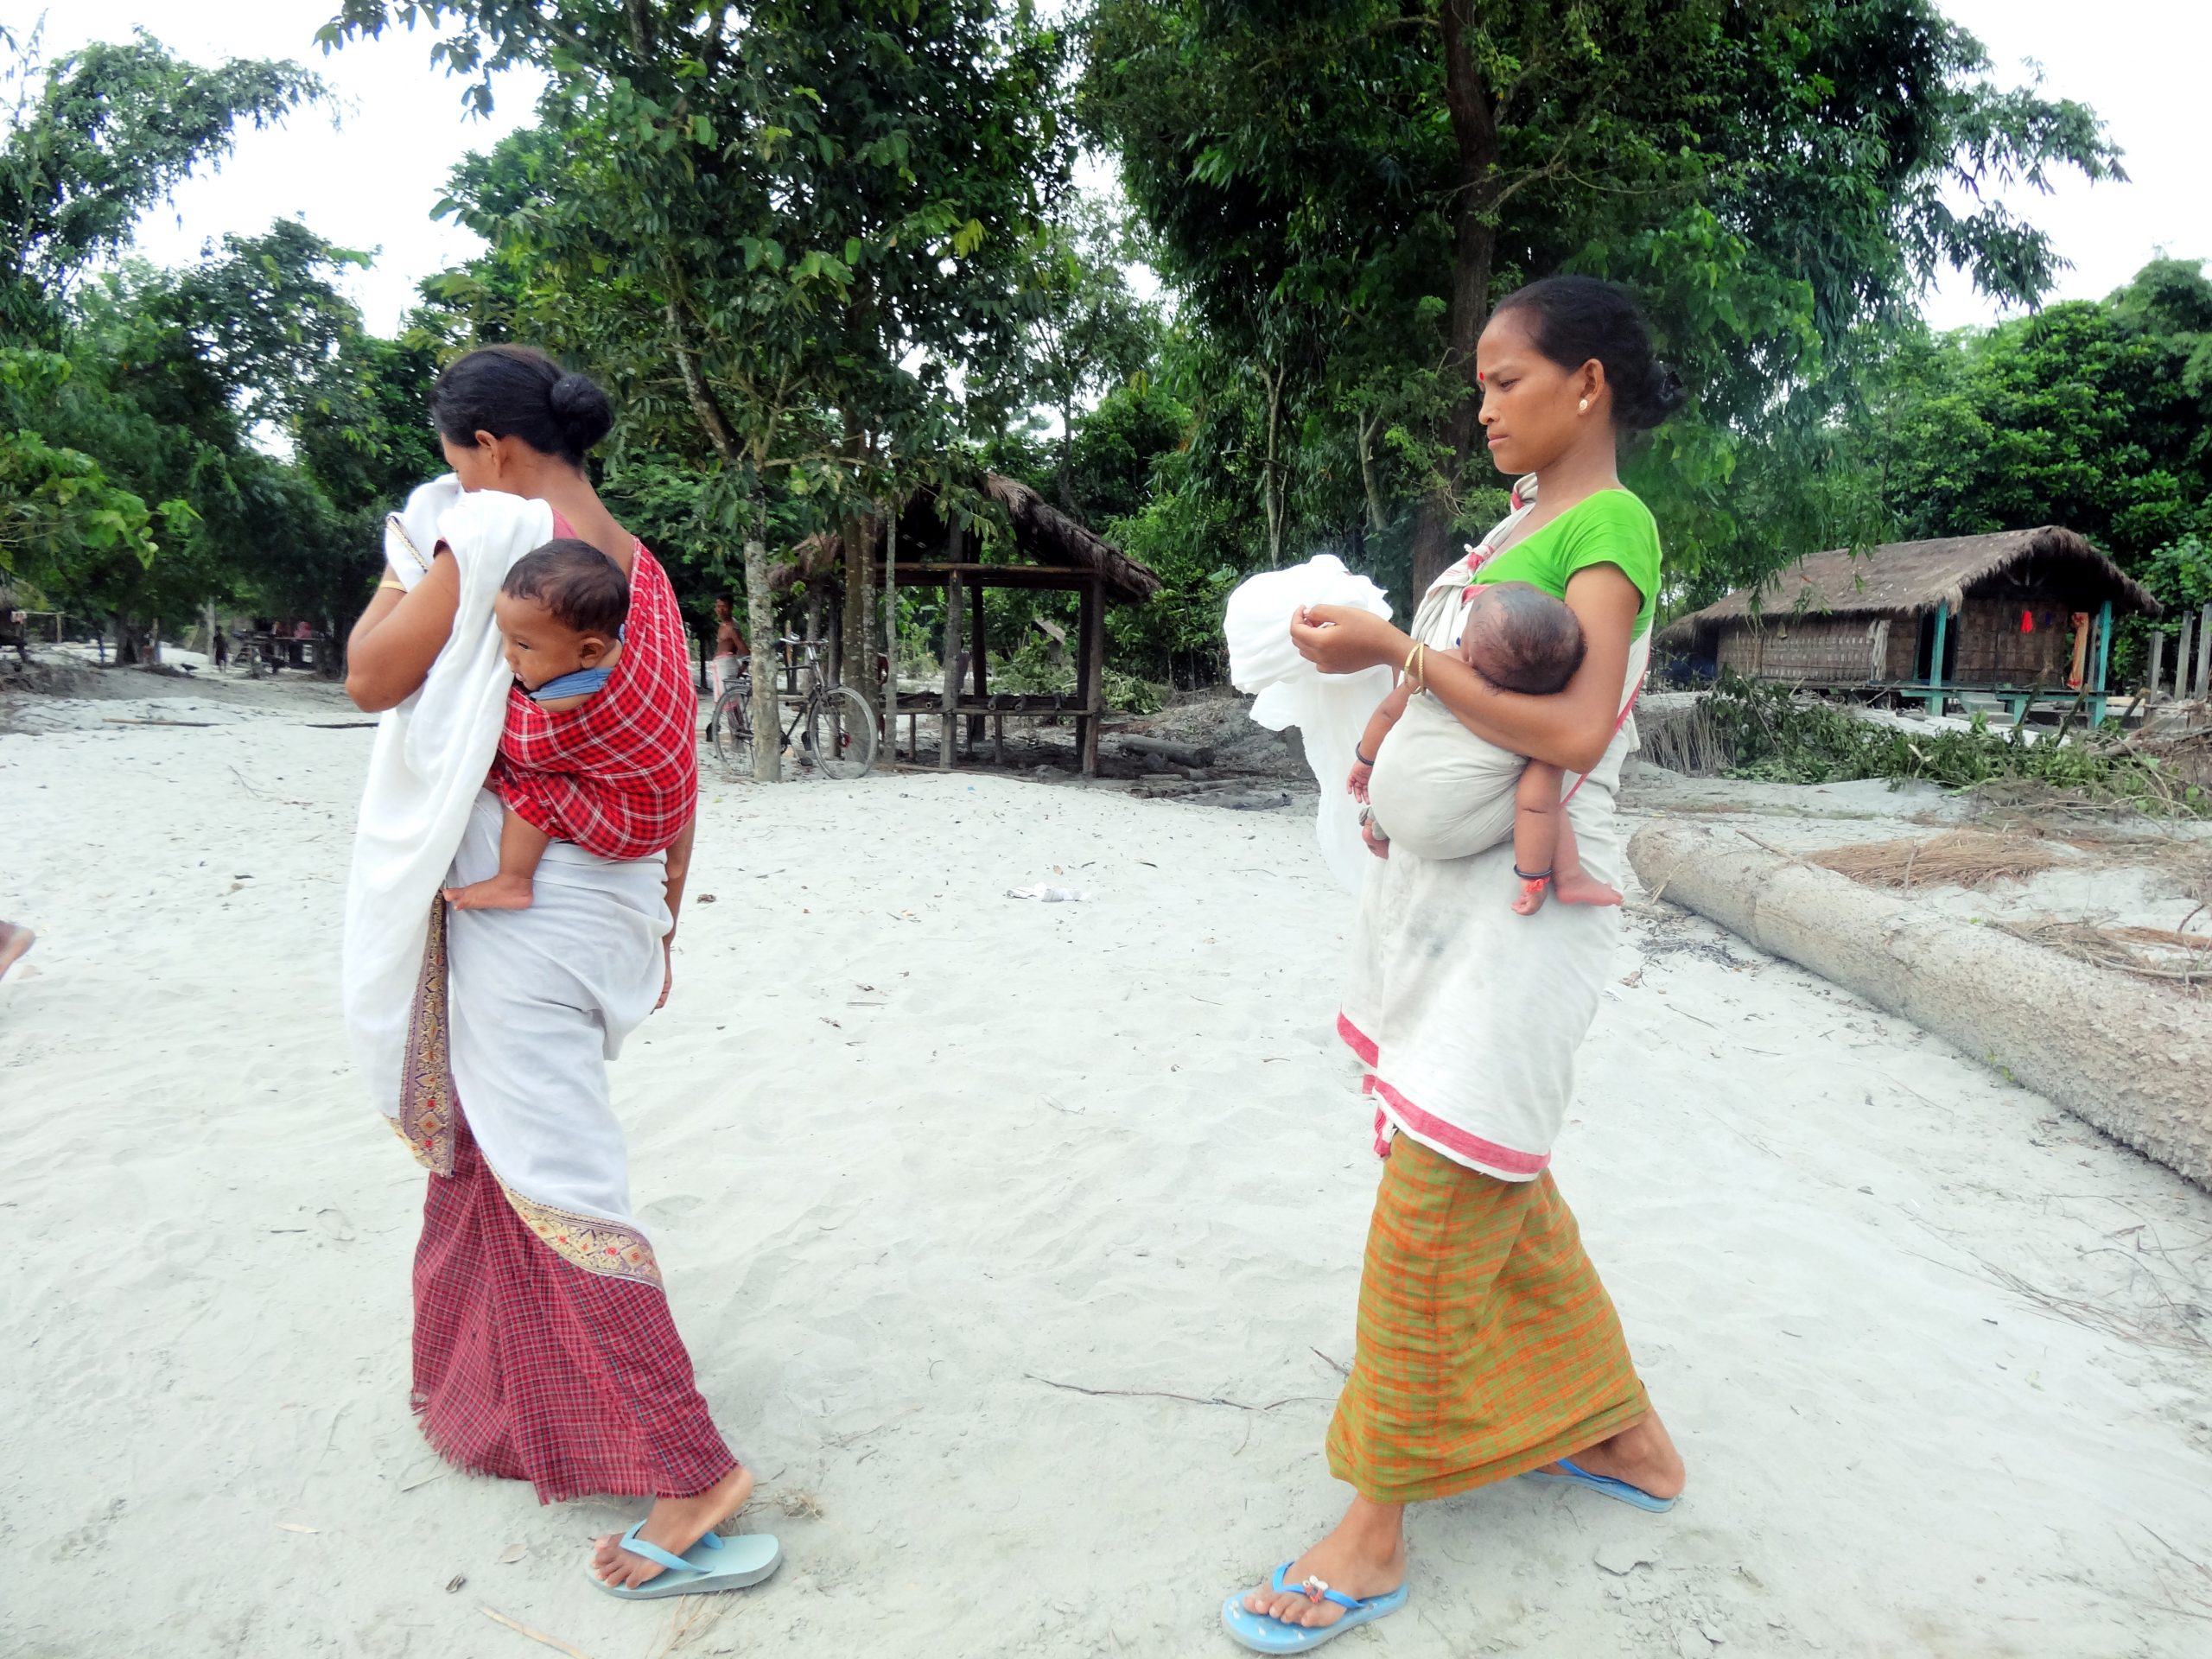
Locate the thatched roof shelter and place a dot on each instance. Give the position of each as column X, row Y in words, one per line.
column 2018, row 616
column 1049, row 537
column 1056, row 552
column 1910, row 579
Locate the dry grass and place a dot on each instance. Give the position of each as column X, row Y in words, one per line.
column 2157, row 953
column 1963, row 858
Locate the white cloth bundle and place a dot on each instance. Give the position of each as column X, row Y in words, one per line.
column 1330, row 710
column 429, row 764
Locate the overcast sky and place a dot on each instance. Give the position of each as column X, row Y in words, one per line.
column 370, row 182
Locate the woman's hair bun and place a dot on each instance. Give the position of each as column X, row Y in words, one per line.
column 1575, row 319
column 519, row 391
column 583, row 411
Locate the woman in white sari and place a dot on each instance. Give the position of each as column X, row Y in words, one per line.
column 544, row 1347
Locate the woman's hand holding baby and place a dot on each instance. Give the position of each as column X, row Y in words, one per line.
column 1343, row 639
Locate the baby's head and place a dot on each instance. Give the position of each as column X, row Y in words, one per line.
column 1520, row 638
column 562, row 608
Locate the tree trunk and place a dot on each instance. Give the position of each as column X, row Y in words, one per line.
column 760, row 633
column 1369, row 422
column 1271, row 492
column 1474, row 129
column 1067, row 460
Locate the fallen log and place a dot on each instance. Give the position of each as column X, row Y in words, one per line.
column 1183, row 754
column 2126, row 1057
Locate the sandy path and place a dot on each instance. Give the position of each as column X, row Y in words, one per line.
column 1933, row 1351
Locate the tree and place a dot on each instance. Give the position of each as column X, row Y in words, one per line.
column 2093, row 415
column 92, row 140
column 781, row 236
column 1775, row 177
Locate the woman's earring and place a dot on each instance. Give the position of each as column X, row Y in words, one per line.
column 1584, row 405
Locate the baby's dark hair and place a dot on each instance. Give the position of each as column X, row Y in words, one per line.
column 1525, row 641
column 1574, row 318
column 581, row 586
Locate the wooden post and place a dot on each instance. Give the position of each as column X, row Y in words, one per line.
column 2158, row 664
column 950, row 724
column 1935, row 697
column 1090, row 676
column 980, row 648
column 890, row 630
column 2181, row 658
column 2104, row 663
column 2204, row 653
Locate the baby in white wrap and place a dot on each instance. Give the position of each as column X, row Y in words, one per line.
column 1448, row 793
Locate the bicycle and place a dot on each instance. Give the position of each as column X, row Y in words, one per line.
column 840, row 727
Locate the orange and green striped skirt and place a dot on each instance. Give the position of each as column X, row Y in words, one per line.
column 1487, row 1346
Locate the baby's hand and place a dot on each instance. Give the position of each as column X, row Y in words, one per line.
column 1357, row 784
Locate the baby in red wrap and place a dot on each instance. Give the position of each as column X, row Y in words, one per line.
column 562, row 610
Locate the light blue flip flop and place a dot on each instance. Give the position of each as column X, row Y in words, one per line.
column 714, row 1563
column 1264, row 1634
column 1620, row 1489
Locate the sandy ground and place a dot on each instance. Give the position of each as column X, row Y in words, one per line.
column 927, row 1162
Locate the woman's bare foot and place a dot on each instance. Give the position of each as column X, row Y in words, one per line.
column 499, row 892
column 1641, row 1454
column 1579, row 886
column 1364, row 1556
column 675, row 1524
column 14, row 941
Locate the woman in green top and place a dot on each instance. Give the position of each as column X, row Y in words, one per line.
column 1488, row 1348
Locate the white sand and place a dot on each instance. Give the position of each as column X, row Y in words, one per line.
column 1937, row 1355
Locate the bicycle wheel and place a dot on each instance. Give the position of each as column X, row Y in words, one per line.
column 733, row 730
column 840, row 733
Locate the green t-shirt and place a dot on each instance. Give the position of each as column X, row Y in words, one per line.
column 1611, row 527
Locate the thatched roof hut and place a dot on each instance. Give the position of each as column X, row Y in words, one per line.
column 1909, row 578
column 1056, row 550
column 2012, row 613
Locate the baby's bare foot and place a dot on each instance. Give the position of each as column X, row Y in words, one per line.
column 1580, row 887
column 1531, row 899
column 499, row 892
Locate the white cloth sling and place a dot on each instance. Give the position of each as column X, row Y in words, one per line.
column 427, row 765
column 1330, row 710
column 1468, row 1017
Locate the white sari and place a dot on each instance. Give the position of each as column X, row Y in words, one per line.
column 1467, row 1016
column 514, row 1013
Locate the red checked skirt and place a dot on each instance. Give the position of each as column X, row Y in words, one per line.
column 530, row 1368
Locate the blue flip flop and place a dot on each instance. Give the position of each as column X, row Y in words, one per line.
column 1264, row 1634
column 1620, row 1489
column 714, row 1563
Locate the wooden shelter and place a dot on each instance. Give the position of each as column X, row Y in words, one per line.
column 934, row 551
column 2013, row 617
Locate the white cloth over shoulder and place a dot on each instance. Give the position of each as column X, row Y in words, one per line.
column 429, row 764
column 1330, row 710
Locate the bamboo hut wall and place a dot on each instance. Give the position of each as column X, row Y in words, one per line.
column 1829, row 650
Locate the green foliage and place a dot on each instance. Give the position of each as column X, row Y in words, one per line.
column 1031, row 671
column 131, row 484
column 1341, row 186
column 1771, row 735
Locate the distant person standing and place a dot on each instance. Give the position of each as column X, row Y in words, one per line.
column 730, row 645
column 222, row 650
column 14, row 941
